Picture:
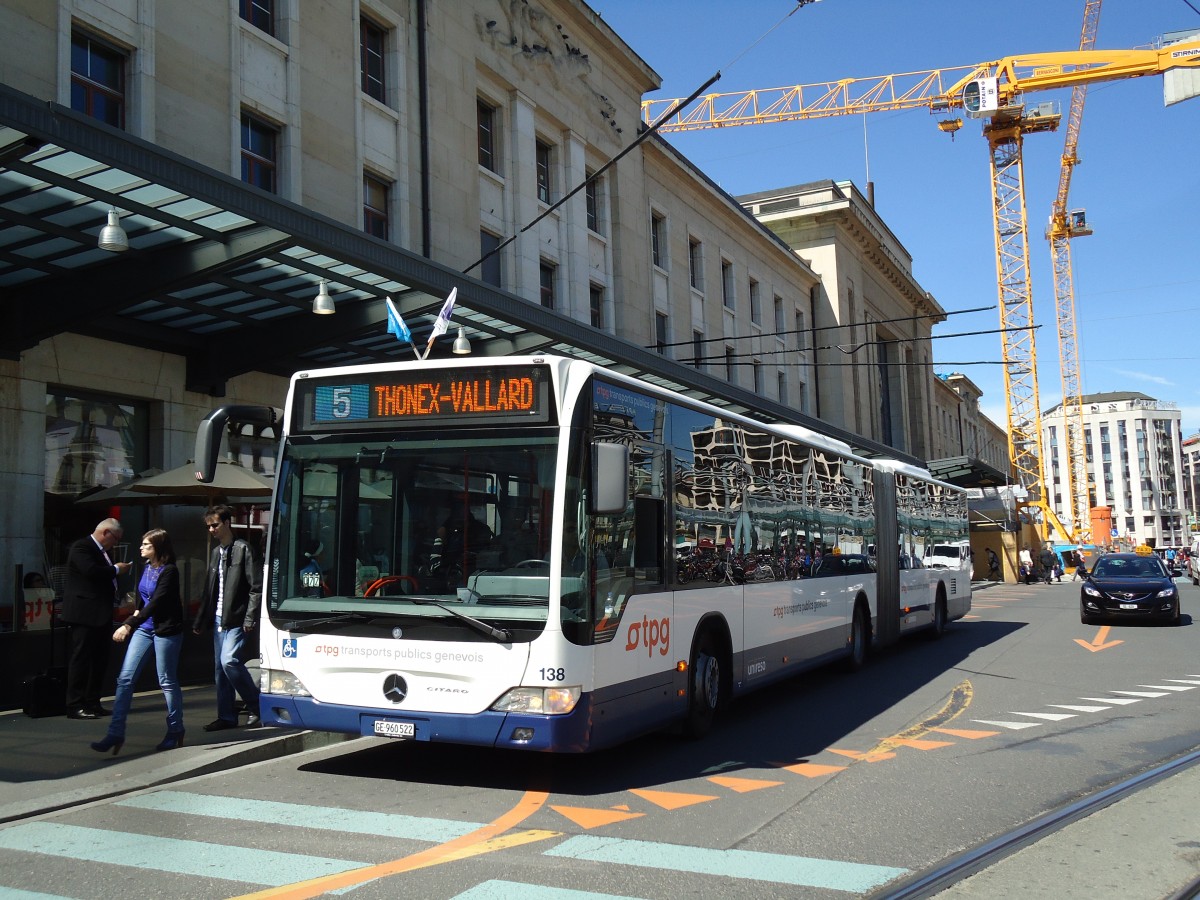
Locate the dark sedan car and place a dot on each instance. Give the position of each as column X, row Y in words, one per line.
column 1128, row 586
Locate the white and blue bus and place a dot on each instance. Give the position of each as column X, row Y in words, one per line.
column 534, row 552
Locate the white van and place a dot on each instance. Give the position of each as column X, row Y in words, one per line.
column 952, row 555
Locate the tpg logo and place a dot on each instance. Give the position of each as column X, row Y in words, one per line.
column 650, row 633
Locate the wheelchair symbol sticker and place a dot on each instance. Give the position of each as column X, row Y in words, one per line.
column 289, row 648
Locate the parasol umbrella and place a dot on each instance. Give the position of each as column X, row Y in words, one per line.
column 120, row 494
column 232, row 480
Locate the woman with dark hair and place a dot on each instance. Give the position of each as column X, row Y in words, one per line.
column 156, row 623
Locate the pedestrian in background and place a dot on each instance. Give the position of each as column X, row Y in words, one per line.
column 88, row 601
column 156, row 624
column 1026, row 560
column 230, row 608
column 1048, row 560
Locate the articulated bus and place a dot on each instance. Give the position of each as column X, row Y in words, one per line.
column 534, row 552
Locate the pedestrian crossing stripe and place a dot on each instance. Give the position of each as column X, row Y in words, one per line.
column 747, row 865
column 269, row 812
column 269, row 868
column 514, row 890
column 1016, row 726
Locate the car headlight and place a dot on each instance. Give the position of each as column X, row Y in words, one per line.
column 1090, row 591
column 544, row 701
column 277, row 681
column 1166, row 592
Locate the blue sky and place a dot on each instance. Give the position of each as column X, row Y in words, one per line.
column 1137, row 279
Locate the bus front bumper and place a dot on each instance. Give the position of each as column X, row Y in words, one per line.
column 556, row 734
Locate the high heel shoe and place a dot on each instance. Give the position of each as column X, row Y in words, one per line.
column 109, row 743
column 171, row 741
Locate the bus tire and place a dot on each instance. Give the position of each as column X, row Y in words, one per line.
column 860, row 639
column 704, row 685
column 938, row 627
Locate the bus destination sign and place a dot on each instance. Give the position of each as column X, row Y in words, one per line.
column 495, row 395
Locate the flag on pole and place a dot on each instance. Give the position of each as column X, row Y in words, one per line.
column 395, row 322
column 443, row 320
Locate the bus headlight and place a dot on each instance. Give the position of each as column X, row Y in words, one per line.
column 545, row 701
column 277, row 681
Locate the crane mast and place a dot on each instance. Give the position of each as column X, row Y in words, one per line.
column 1063, row 226
column 991, row 91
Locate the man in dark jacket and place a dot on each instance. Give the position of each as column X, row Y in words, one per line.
column 232, row 598
column 87, row 608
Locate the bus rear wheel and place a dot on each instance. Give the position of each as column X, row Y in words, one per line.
column 860, row 638
column 938, row 625
column 704, row 686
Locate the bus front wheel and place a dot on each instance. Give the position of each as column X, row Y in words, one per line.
column 704, row 694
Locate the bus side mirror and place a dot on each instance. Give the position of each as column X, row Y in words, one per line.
column 610, row 478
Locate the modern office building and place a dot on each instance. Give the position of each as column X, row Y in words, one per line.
column 1133, row 444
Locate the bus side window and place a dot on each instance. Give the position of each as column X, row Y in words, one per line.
column 648, row 540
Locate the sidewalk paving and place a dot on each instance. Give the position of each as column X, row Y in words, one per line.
column 46, row 764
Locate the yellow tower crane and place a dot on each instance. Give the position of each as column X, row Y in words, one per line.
column 993, row 92
column 1065, row 224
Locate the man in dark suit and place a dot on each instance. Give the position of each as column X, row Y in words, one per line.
column 230, row 608
column 87, row 608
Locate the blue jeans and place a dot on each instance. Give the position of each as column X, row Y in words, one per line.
column 166, row 659
column 231, row 674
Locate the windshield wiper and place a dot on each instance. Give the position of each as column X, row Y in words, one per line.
column 500, row 635
column 344, row 617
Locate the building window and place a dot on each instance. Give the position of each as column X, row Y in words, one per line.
column 756, row 368
column 591, row 193
column 658, row 240
column 97, row 80
column 487, row 136
column 259, row 13
column 596, row 305
column 729, row 364
column 547, row 272
column 800, row 329
column 780, row 324
column 489, row 251
column 541, row 158
column 260, row 142
column 696, row 264
column 781, row 386
column 375, row 207
column 727, row 297
column 371, row 40
column 660, row 332
column 755, row 303
column 698, row 349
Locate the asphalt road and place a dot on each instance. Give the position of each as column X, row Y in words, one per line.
column 830, row 785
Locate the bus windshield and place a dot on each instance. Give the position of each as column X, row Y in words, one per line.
column 419, row 531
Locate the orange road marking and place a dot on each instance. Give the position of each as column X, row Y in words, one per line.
column 481, row 840
column 743, row 785
column 923, row 745
column 594, row 818
column 624, row 806
column 1099, row 642
column 812, row 770
column 671, row 800
column 955, row 705
column 969, row 734
column 871, row 756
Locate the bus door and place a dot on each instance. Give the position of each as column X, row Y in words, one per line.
column 632, row 591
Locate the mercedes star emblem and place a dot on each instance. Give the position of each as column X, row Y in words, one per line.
column 395, row 688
